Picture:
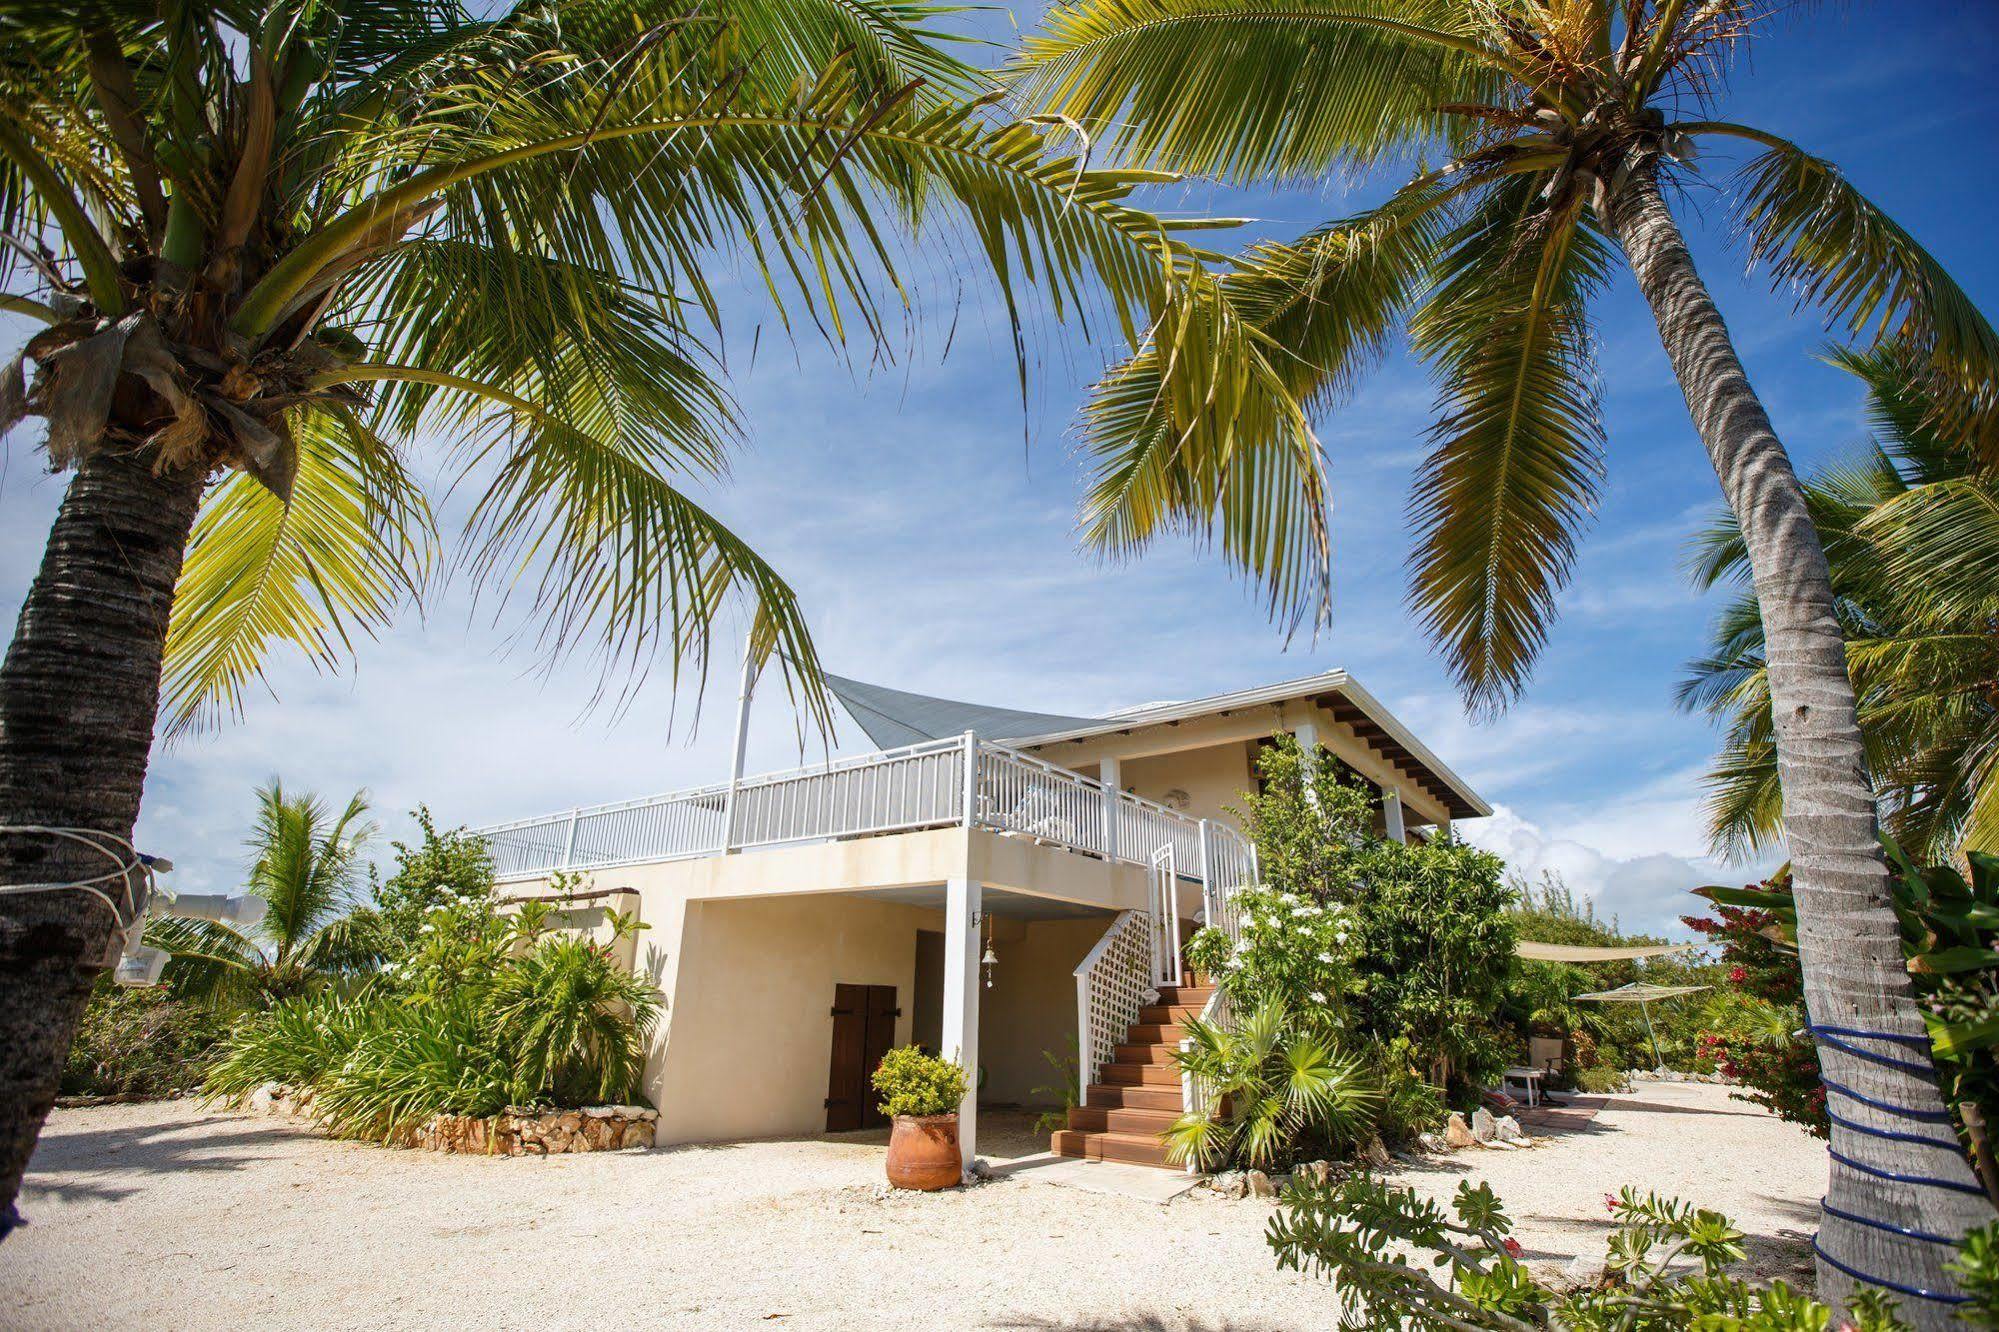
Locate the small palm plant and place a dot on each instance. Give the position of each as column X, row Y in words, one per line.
column 1270, row 1080
column 577, row 1023
column 307, row 867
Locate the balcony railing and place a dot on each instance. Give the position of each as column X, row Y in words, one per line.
column 967, row 781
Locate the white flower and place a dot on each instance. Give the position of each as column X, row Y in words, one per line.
column 1316, row 997
column 1327, row 958
column 428, row 927
column 1301, row 911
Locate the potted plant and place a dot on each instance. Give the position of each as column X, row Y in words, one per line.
column 921, row 1093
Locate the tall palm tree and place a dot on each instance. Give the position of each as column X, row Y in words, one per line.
column 275, row 244
column 1911, row 532
column 306, row 864
column 1558, row 134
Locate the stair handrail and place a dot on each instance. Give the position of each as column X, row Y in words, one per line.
column 1113, row 982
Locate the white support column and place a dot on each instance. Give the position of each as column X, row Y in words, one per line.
column 962, row 913
column 1108, row 773
column 1307, row 735
column 745, row 690
column 1391, row 815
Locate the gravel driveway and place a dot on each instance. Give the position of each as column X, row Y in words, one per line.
column 163, row 1215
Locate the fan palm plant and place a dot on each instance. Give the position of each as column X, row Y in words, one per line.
column 1268, row 1082
column 1558, row 134
column 306, row 865
column 276, row 244
column 1913, row 544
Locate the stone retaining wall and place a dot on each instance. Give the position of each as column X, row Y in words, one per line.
column 595, row 1128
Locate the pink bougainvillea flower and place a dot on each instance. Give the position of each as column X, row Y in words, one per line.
column 1512, row 1247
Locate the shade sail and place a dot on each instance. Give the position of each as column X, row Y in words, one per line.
column 1638, row 992
column 1536, row 951
column 893, row 717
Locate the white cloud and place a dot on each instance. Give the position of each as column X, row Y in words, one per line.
column 1637, row 857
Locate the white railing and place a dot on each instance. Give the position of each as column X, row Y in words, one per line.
column 1112, row 985
column 920, row 786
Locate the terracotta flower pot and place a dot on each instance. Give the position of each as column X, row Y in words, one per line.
column 923, row 1152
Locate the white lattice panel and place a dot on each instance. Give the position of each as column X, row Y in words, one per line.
column 1114, row 982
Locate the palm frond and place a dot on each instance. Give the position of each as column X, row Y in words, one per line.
column 1840, row 252
column 1254, row 89
column 348, row 550
column 1206, row 430
column 1511, row 478
column 211, row 964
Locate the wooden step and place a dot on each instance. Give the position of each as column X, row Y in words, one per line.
column 1168, row 1014
column 1102, row 1119
column 1146, row 1052
column 1155, row 1033
column 1186, row 996
column 1132, row 1148
column 1138, row 1097
column 1149, row 1075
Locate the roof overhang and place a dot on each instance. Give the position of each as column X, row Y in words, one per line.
column 1337, row 692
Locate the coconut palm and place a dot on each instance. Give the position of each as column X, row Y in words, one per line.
column 1910, row 534
column 306, row 864
column 276, row 245
column 1557, row 131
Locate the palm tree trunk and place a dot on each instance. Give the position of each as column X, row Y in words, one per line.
column 79, row 691
column 1848, row 940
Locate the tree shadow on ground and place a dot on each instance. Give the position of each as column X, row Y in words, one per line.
column 1667, row 1108
column 191, row 1145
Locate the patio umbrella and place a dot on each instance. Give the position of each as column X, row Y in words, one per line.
column 1638, row 992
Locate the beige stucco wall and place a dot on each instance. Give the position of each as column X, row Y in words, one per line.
column 746, row 951
column 1031, row 1007
column 745, row 1048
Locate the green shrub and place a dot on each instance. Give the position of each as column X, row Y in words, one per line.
column 911, row 1082
column 1666, row 1271
column 481, row 1012
column 141, row 1043
column 1294, row 949
column 1410, row 1103
column 575, row 1021
column 1602, row 1079
column 1275, row 1080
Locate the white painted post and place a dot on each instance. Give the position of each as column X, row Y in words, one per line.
column 962, row 913
column 744, row 689
column 971, row 779
column 1391, row 815
column 569, row 841
column 1086, row 1054
column 1109, row 775
column 1210, row 899
column 1307, row 735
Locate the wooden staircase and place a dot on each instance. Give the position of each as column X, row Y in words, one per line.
column 1122, row 1117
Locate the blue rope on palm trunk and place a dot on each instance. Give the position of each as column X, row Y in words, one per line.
column 1842, row 1039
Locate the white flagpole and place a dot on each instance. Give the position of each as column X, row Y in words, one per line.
column 743, row 693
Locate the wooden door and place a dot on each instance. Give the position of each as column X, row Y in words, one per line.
column 863, row 1031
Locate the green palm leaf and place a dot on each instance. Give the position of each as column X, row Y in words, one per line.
column 342, row 555
column 1255, row 89
column 1511, row 478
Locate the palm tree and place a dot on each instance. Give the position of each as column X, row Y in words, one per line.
column 307, row 867
column 275, row 244
column 1910, row 536
column 1559, row 131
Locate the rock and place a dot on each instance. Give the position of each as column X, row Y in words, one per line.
column 1376, row 1155
column 640, row 1133
column 1583, row 1272
column 1260, row 1185
column 1232, row 1184
column 1457, row 1133
column 1501, row 1145
column 265, row 1099
column 1316, row 1172
column 1433, row 1142
column 1483, row 1127
column 1507, row 1129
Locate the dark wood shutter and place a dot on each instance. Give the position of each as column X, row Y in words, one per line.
column 863, row 1031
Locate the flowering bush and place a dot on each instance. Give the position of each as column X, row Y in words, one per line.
column 911, row 1082
column 1295, row 949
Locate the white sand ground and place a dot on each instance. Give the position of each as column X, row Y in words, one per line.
column 168, row 1217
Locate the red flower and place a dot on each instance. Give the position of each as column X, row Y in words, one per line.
column 1610, row 1202
column 1512, row 1247
column 1737, row 975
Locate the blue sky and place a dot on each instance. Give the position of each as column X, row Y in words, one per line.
column 929, row 527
